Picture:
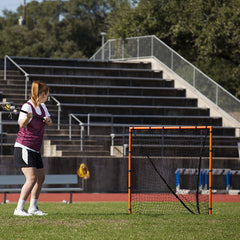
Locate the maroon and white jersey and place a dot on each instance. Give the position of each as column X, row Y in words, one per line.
column 31, row 136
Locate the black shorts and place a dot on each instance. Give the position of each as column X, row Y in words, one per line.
column 27, row 158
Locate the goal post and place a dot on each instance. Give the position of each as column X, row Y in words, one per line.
column 170, row 169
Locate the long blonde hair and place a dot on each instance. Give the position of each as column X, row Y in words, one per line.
column 37, row 89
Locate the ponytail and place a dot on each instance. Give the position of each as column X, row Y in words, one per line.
column 35, row 94
column 37, row 89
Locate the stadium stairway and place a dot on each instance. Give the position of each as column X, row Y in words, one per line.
column 107, row 97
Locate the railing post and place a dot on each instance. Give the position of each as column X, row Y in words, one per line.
column 171, row 60
column 81, row 124
column 5, row 67
column 216, row 95
column 81, row 136
column 112, row 137
column 26, row 85
column 152, row 47
column 103, row 35
column 194, row 77
column 59, row 111
column 109, row 50
column 88, row 124
column 122, row 49
column 70, row 126
column 125, row 146
column 59, row 115
column 137, row 48
column 102, row 52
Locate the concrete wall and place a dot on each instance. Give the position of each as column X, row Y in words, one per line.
column 109, row 174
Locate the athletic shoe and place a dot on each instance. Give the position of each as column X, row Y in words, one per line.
column 36, row 211
column 23, row 213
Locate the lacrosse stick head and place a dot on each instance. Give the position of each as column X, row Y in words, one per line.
column 7, row 107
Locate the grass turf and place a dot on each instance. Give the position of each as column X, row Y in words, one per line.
column 110, row 220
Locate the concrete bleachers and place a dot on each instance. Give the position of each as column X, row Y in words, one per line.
column 124, row 94
column 131, row 92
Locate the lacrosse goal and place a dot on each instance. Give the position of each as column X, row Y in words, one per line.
column 165, row 167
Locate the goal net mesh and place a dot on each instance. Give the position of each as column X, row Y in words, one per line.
column 168, row 169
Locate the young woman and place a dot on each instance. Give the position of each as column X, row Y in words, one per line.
column 27, row 148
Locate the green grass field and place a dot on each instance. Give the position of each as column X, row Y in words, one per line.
column 110, row 220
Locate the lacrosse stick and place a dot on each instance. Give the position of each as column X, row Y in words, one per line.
column 8, row 107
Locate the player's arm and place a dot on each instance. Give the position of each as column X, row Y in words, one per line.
column 24, row 118
column 48, row 121
column 47, row 118
column 24, row 122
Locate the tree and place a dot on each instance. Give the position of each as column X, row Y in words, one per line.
column 204, row 32
column 55, row 28
column 219, row 45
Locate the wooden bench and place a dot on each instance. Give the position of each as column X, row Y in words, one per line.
column 54, row 179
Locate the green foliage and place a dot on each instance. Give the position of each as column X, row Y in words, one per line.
column 54, row 29
column 110, row 220
column 204, row 32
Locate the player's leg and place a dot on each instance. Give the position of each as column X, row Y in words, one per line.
column 31, row 177
column 40, row 173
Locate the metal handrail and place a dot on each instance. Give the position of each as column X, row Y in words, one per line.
column 16, row 65
column 100, row 50
column 59, row 110
column 98, row 114
column 151, row 46
column 81, row 124
column 88, row 124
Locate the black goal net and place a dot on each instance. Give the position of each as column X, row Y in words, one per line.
column 170, row 169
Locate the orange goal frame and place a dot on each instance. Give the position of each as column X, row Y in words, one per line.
column 171, row 128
